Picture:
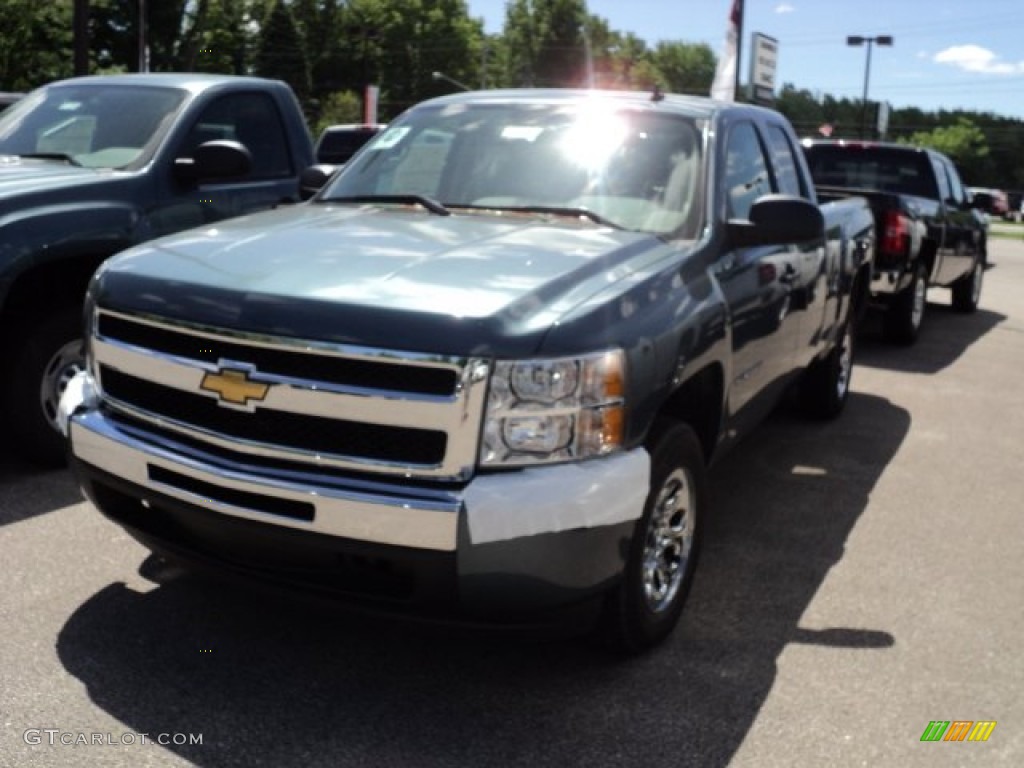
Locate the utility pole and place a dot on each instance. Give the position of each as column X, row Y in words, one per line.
column 80, row 31
column 740, row 13
column 143, row 48
column 856, row 40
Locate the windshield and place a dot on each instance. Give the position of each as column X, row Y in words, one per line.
column 92, row 125
column 633, row 169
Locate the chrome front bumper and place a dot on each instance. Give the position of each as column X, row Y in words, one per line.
column 496, row 508
column 333, row 511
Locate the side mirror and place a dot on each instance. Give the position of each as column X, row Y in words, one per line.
column 777, row 220
column 313, row 179
column 218, row 159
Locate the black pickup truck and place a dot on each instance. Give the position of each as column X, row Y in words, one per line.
column 929, row 233
column 93, row 165
column 483, row 372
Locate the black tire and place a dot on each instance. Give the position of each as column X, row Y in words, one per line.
column 903, row 319
column 44, row 359
column 644, row 608
column 967, row 290
column 826, row 385
column 161, row 569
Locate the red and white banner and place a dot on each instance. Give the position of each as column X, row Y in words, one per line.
column 724, row 85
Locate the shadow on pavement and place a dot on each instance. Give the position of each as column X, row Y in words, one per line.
column 944, row 337
column 272, row 682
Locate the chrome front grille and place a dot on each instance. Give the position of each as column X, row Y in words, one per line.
column 318, row 404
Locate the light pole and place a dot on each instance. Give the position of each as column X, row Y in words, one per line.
column 856, row 40
column 452, row 80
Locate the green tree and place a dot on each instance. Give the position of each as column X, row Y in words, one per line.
column 961, row 140
column 545, row 43
column 808, row 112
column 339, row 107
column 684, row 67
column 622, row 61
column 562, row 50
column 172, row 29
column 281, row 53
column 35, row 45
column 802, row 109
column 220, row 37
column 398, row 44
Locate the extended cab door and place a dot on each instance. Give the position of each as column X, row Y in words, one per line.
column 757, row 283
column 962, row 234
column 253, row 119
column 812, row 303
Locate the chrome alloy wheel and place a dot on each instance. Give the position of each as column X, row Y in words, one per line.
column 920, row 299
column 669, row 541
column 976, row 279
column 62, row 367
column 845, row 362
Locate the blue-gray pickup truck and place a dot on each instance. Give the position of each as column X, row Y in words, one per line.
column 93, row 165
column 483, row 372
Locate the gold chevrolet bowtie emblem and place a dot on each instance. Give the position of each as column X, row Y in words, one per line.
column 234, row 387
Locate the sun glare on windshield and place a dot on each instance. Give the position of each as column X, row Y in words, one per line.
column 594, row 137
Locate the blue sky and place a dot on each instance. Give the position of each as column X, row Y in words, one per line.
column 947, row 54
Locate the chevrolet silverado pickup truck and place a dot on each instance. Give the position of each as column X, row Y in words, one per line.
column 93, row 165
column 483, row 372
column 929, row 233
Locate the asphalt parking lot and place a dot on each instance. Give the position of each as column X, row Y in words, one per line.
column 859, row 580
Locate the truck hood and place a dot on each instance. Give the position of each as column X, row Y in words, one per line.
column 382, row 276
column 24, row 176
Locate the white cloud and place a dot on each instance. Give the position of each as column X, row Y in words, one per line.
column 923, row 55
column 974, row 58
column 784, row 8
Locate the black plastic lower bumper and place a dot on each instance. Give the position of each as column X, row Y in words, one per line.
column 550, row 578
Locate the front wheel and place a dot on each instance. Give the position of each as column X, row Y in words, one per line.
column 644, row 608
column 967, row 290
column 45, row 359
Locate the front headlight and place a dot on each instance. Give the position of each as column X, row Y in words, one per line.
column 542, row 411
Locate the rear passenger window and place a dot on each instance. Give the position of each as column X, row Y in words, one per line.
column 945, row 191
column 784, row 162
column 746, row 172
column 956, row 188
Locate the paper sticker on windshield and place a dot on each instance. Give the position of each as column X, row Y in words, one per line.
column 527, row 132
column 390, row 137
column 70, row 106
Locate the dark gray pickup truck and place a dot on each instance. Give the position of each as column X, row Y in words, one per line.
column 483, row 372
column 91, row 166
column 929, row 232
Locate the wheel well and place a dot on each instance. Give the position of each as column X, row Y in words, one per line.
column 42, row 289
column 927, row 256
column 860, row 294
column 698, row 402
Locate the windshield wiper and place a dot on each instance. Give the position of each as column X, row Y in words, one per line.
column 52, row 156
column 554, row 210
column 427, row 202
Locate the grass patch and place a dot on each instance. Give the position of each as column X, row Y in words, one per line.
column 1006, row 234
column 1007, row 230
